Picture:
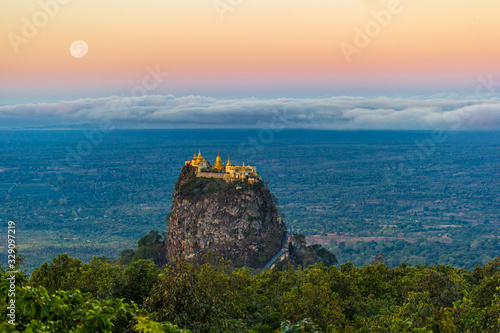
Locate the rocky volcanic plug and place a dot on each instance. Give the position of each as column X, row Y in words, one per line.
column 238, row 220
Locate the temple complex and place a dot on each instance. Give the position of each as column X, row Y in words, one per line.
column 228, row 172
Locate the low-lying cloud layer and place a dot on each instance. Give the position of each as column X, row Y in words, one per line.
column 207, row 112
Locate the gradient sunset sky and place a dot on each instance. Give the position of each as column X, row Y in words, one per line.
column 257, row 48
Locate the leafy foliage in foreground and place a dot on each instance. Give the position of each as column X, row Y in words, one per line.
column 38, row 310
column 71, row 296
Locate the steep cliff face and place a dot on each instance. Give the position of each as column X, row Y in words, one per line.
column 237, row 220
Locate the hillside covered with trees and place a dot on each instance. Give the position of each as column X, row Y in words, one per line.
column 68, row 295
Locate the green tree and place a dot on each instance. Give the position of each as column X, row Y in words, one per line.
column 148, row 247
column 418, row 314
column 137, row 281
column 63, row 273
column 37, row 310
column 198, row 297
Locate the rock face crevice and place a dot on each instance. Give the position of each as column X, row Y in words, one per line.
column 238, row 220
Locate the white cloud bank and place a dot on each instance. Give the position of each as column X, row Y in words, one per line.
column 207, row 112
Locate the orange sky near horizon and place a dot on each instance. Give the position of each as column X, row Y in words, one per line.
column 258, row 44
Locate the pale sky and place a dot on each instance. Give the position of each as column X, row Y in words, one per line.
column 253, row 48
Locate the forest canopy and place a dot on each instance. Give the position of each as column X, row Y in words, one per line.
column 98, row 296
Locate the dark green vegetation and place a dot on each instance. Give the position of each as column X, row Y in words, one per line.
column 150, row 246
column 68, row 295
column 304, row 255
column 330, row 184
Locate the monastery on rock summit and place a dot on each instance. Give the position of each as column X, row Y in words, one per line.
column 227, row 172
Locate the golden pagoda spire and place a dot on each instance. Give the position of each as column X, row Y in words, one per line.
column 218, row 162
column 228, row 162
column 243, row 169
column 199, row 158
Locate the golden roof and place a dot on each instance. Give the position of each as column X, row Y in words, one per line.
column 199, row 158
column 243, row 169
column 218, row 162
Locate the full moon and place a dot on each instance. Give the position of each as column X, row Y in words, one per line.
column 78, row 49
